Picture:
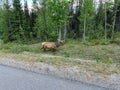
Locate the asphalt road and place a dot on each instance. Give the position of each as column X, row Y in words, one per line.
column 17, row 79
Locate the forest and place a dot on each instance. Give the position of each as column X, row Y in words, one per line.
column 49, row 20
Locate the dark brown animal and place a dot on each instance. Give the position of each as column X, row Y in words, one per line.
column 51, row 45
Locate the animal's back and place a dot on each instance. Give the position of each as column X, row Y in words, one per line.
column 48, row 45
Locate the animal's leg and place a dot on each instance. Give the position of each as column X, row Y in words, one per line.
column 42, row 47
column 53, row 49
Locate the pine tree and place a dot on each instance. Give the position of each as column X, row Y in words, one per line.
column 17, row 21
column 33, row 18
column 1, row 22
column 99, row 20
column 26, row 22
column 7, row 35
column 42, row 21
column 117, row 26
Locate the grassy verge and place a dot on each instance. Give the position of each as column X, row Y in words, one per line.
column 65, row 62
column 73, row 49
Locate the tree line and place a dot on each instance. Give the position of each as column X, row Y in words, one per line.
column 52, row 19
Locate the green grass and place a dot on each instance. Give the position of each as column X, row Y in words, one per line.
column 72, row 49
column 18, row 48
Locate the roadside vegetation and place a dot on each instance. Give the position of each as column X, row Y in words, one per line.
column 106, row 53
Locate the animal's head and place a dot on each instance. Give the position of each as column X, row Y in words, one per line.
column 60, row 42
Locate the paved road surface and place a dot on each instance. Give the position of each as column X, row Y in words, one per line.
column 16, row 79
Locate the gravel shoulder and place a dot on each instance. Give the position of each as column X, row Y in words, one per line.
column 85, row 71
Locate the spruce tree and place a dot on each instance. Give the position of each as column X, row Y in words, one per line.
column 7, row 30
column 33, row 18
column 17, row 21
column 1, row 23
column 99, row 20
column 26, row 22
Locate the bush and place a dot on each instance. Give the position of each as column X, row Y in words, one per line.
column 15, row 48
column 117, row 38
column 1, row 44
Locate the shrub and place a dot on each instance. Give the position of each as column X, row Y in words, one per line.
column 1, row 44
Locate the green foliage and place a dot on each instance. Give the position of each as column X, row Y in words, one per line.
column 1, row 44
column 100, row 18
column 87, row 15
column 117, row 36
column 116, row 39
column 1, row 22
column 52, row 17
column 66, row 54
column 17, row 26
column 58, row 11
column 6, row 23
column 101, row 58
column 19, row 48
column 17, row 20
column 26, row 22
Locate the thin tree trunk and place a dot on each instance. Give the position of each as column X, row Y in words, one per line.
column 113, row 27
column 59, row 33
column 105, row 23
column 84, row 34
column 112, row 36
column 44, row 19
column 65, row 32
column 59, row 37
